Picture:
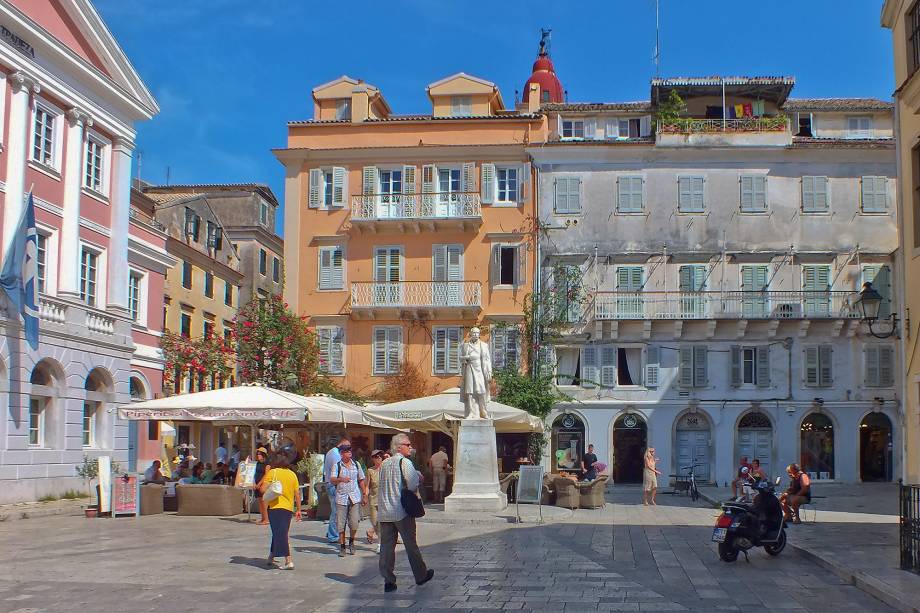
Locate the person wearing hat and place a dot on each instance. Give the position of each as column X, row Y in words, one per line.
column 261, row 468
column 373, row 487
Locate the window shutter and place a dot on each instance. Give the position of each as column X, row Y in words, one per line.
column 380, row 350
column 635, row 281
column 696, row 186
column 874, row 194
column 497, row 342
column 394, row 345
column 496, row 266
column 683, row 193
column 590, row 129
column 623, row 279
column 811, row 366
column 886, row 366
column 325, row 268
column 760, row 193
column 338, row 351
column 339, row 186
column 324, row 336
column 685, row 369
column 645, row 126
column 589, row 374
column 825, row 360
column 523, row 181
column 808, row 194
column 547, row 359
column 561, row 195
column 429, row 179
column 337, row 278
column 608, row 365
column 821, row 201
column 612, row 129
column 440, row 350
column 652, row 366
column 370, row 180
column 316, row 183
column 575, row 195
column 520, row 271
column 635, row 184
column 408, row 186
column 439, row 262
column 736, row 365
column 453, row 349
column 454, row 262
column 700, row 366
column 559, row 126
column 487, row 184
column 747, row 278
column 747, row 193
column 512, row 348
column 468, row 177
column 872, row 366
column 763, row 366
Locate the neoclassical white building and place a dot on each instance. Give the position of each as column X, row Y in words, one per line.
column 718, row 259
column 70, row 99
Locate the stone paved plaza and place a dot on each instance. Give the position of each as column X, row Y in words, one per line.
column 623, row 558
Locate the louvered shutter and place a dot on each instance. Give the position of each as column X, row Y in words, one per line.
column 826, row 372
column 315, row 197
column 324, row 336
column 337, row 351
column 439, row 262
column 684, row 194
column 872, row 366
column 747, row 278
column 561, row 195
column 547, row 360
column 454, row 262
column 590, row 129
column 380, row 351
column 589, row 370
column 325, row 268
column 369, row 185
column 440, row 350
column 559, row 126
column 339, row 186
column 523, row 182
column 685, row 368
column 762, row 355
column 495, row 274
column 635, row 193
column 512, row 348
column 747, row 193
column 487, row 184
column 624, row 194
column 811, row 366
column 468, row 178
column 497, row 342
column 453, row 349
column 808, row 194
column 520, row 271
column 821, row 200
column 875, row 194
column 652, row 366
column 760, row 193
column 736, row 365
column 408, row 186
column 886, row 366
column 696, row 189
column 645, row 126
column 608, row 365
column 575, row 194
column 700, row 366
column 337, row 278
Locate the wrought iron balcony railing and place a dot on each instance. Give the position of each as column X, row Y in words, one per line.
column 692, row 125
column 427, row 294
column 727, row 305
column 440, row 205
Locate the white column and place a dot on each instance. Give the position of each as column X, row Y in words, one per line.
column 69, row 276
column 118, row 244
column 22, row 87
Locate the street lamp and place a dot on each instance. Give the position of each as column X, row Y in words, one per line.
column 870, row 301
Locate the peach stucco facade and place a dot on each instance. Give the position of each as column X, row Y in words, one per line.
column 400, row 235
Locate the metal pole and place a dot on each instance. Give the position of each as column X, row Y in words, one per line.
column 723, row 102
column 657, row 43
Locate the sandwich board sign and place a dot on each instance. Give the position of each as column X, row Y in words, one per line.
column 530, row 488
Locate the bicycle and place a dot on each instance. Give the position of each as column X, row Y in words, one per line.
column 692, row 488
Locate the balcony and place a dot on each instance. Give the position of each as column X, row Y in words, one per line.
column 726, row 305
column 416, row 299
column 399, row 213
column 757, row 131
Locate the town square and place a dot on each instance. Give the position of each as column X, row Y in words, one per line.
column 441, row 305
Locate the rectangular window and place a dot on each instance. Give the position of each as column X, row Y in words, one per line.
column 343, row 109
column 692, row 281
column 750, row 365
column 207, row 329
column 629, row 194
column 228, row 293
column 754, row 279
column 192, row 224
column 446, row 350
column 690, row 194
column 215, row 237
column 507, row 184
column 573, row 128
column 814, row 194
column 879, row 366
column 508, row 265
column 816, row 284
column 753, row 193
column 506, row 347
column 461, row 106
column 630, row 281
column 43, row 137
column 804, row 125
column 628, row 368
column 568, row 195
column 387, row 350
column 153, row 430
column 89, row 424
column 859, row 127
column 623, row 129
column 694, row 366
column 41, row 263
column 185, row 325
column 89, row 264
column 327, row 188
column 208, row 284
column 819, row 366
column 263, row 212
column 134, row 295
column 331, row 268
column 263, row 262
column 92, row 171
column 36, row 422
column 276, row 270
column 186, row 274
column 912, row 30
column 448, row 181
column 874, row 194
column 331, row 349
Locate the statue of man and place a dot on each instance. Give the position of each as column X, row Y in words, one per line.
column 475, row 376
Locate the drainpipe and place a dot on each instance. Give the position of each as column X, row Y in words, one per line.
column 787, row 343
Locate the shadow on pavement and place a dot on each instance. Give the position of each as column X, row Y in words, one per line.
column 254, row 562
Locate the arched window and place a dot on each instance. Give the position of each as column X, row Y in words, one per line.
column 43, row 428
column 136, row 389
column 568, row 442
column 818, row 446
column 96, row 386
column 754, row 419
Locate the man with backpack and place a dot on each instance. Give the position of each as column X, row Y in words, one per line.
column 350, row 491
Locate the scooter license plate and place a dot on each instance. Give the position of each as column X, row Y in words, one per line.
column 719, row 534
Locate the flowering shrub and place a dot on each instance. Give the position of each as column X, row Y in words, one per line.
column 204, row 357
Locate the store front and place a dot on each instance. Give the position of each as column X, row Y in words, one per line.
column 875, row 446
column 630, row 439
column 817, row 446
column 568, row 443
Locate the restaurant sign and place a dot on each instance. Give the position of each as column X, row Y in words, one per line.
column 408, row 414
column 253, row 415
column 17, row 43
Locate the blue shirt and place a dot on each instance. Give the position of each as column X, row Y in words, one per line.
column 332, row 458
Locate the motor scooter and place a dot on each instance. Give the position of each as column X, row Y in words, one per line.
column 744, row 525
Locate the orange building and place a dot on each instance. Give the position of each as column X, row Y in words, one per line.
column 403, row 231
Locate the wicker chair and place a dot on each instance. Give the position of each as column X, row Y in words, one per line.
column 549, row 492
column 592, row 494
column 504, row 483
column 203, row 499
column 152, row 498
column 567, row 494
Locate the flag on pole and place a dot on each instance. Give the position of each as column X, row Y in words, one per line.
column 19, row 277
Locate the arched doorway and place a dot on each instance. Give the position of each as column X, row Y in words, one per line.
column 45, row 426
column 568, row 442
column 755, row 440
column 630, row 438
column 693, row 445
column 817, row 457
column 875, row 445
column 97, row 386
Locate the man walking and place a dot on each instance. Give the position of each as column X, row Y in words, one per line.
column 439, row 466
column 332, row 458
column 350, row 491
column 393, row 518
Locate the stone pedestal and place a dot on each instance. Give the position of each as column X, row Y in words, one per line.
column 476, row 470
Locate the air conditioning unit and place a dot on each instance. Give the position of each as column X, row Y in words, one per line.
column 788, row 310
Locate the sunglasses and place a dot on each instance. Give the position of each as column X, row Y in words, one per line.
column 344, row 449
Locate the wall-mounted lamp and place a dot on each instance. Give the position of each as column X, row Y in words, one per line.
column 870, row 301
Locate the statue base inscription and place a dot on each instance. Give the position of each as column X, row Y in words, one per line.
column 476, row 470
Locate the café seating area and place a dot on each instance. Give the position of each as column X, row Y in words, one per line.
column 208, row 499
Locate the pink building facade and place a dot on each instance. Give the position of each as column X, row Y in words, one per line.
column 69, row 99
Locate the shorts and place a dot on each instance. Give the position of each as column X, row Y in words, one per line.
column 797, row 500
column 351, row 513
column 439, row 481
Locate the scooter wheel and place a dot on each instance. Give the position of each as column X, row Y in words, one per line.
column 774, row 549
column 728, row 552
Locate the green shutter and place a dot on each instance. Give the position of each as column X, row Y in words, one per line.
column 700, row 366
column 811, row 366
column 762, row 355
column 685, row 369
column 736, row 365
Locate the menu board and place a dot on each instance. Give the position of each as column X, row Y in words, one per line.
column 530, row 484
column 246, row 474
column 125, row 495
column 104, row 469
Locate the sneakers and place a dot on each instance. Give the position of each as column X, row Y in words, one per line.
column 389, row 587
column 428, row 577
column 342, row 552
column 351, row 549
column 288, row 566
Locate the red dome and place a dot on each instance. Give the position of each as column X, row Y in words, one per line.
column 544, row 74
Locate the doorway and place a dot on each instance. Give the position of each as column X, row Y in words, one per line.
column 693, row 438
column 755, row 440
column 875, row 447
column 630, row 438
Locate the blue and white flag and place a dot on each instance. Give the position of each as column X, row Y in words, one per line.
column 19, row 278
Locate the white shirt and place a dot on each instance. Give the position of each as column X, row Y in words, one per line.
column 151, row 474
column 439, row 461
column 348, row 491
column 222, row 454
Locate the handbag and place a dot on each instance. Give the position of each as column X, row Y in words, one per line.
column 410, row 501
column 273, row 490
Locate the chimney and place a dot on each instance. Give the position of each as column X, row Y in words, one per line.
column 360, row 103
column 533, row 98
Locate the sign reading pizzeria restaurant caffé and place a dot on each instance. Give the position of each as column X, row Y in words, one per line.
column 17, row 43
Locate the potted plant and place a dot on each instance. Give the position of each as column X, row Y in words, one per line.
column 309, row 470
column 89, row 471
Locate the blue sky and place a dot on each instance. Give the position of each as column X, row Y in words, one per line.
column 229, row 74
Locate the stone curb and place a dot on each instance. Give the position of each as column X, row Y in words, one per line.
column 495, row 520
column 870, row 585
column 34, row 510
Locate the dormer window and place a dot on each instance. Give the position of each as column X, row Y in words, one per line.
column 805, row 125
column 461, row 106
column 573, row 128
column 343, row 109
column 859, row 127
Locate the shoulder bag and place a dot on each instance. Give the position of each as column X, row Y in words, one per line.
column 410, row 500
column 273, row 490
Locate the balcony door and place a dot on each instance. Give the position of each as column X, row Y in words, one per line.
column 449, row 204
column 754, row 303
column 390, row 199
column 629, row 288
column 447, row 275
column 816, row 282
column 388, row 276
column 692, row 280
